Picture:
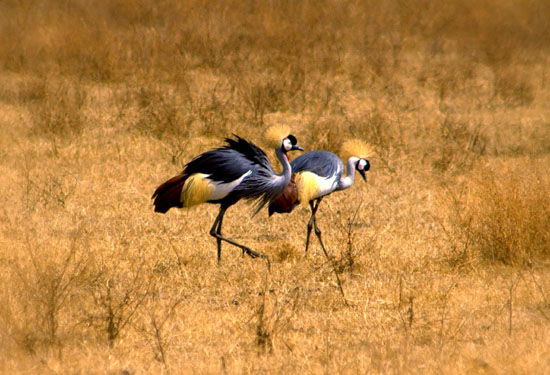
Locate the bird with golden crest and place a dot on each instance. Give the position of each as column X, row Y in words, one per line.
column 238, row 170
column 317, row 174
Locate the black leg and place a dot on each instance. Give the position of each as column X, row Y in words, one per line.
column 318, row 233
column 216, row 230
column 218, row 239
column 310, row 224
column 317, row 230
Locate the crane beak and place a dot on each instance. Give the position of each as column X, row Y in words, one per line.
column 295, row 147
column 362, row 173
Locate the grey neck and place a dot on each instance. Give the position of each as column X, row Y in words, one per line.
column 287, row 171
column 347, row 181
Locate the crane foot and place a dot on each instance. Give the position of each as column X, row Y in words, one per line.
column 253, row 254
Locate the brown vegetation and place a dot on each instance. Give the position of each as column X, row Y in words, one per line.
column 443, row 254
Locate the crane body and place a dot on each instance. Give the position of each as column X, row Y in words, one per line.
column 225, row 175
column 315, row 175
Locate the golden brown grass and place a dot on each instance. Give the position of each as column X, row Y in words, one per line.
column 443, row 254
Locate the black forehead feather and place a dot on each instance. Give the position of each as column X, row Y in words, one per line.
column 292, row 139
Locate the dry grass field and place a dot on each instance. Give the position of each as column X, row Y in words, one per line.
column 443, row 255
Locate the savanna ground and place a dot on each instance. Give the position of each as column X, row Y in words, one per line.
column 443, row 254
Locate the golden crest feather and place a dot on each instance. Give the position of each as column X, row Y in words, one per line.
column 358, row 148
column 275, row 134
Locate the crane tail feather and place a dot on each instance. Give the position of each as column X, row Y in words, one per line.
column 168, row 194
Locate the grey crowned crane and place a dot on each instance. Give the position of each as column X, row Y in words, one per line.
column 317, row 174
column 238, row 170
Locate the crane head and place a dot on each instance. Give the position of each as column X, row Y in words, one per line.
column 290, row 143
column 278, row 136
column 362, row 166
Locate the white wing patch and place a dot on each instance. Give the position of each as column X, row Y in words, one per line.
column 222, row 189
column 326, row 185
column 311, row 186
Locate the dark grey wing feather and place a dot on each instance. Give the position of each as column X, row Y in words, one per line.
column 322, row 163
column 250, row 151
column 263, row 185
column 228, row 163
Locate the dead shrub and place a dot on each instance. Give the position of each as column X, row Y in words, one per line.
column 502, row 217
column 262, row 97
column 155, row 330
column 374, row 126
column 117, row 295
column 47, row 188
column 58, row 112
column 25, row 90
column 159, row 112
column 513, row 88
column 212, row 112
column 261, row 94
column 274, row 313
column 461, row 144
column 285, row 252
column 325, row 133
column 43, row 286
column 57, row 189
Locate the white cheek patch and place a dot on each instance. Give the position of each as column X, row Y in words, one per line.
column 287, row 144
column 361, row 164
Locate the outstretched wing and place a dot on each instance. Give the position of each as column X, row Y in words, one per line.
column 250, row 151
column 263, row 185
column 230, row 162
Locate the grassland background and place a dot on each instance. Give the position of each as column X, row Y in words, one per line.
column 443, row 254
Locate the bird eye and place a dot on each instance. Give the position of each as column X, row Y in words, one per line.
column 361, row 164
column 292, row 139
